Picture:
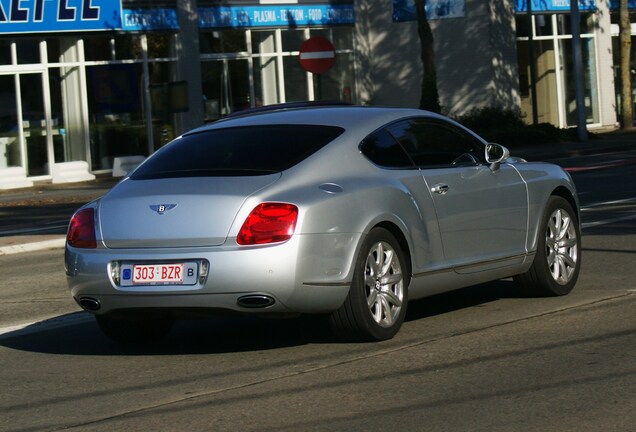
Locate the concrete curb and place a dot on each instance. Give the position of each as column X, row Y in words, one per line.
column 56, row 243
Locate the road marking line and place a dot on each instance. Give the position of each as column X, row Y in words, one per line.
column 32, row 247
column 606, row 203
column 607, row 221
column 601, row 165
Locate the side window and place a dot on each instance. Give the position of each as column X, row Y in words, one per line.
column 383, row 150
column 434, row 143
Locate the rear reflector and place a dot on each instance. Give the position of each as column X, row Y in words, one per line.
column 268, row 223
column 81, row 230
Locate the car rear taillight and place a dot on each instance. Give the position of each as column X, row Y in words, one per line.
column 268, row 223
column 81, row 230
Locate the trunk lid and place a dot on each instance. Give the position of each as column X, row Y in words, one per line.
column 175, row 212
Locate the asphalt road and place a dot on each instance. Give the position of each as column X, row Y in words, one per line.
column 480, row 359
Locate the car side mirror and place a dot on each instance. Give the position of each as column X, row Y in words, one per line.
column 496, row 154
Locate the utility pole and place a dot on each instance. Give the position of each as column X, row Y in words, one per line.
column 575, row 20
column 533, row 64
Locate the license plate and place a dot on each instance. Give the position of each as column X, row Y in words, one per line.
column 159, row 274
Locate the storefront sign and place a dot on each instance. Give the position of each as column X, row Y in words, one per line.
column 404, row 10
column 31, row 16
column 614, row 4
column 38, row 16
column 275, row 15
column 553, row 5
column 149, row 19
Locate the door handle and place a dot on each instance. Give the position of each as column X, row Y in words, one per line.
column 440, row 188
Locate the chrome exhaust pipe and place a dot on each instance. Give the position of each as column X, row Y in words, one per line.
column 90, row 304
column 255, row 301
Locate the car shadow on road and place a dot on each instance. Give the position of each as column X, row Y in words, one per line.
column 464, row 298
column 232, row 333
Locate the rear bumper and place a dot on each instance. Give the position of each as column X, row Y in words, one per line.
column 307, row 274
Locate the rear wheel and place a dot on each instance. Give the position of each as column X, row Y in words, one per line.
column 557, row 263
column 376, row 305
column 130, row 329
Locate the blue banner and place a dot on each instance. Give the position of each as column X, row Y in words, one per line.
column 404, row 10
column 275, row 16
column 37, row 16
column 149, row 19
column 553, row 5
column 614, row 4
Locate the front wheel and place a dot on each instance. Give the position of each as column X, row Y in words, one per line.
column 557, row 262
column 376, row 305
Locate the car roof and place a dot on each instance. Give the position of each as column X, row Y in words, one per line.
column 348, row 117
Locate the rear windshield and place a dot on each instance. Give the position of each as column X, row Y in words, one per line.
column 240, row 151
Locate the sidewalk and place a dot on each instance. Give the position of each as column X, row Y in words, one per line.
column 55, row 203
column 47, row 207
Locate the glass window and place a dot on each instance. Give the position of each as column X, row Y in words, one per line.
column 338, row 82
column 543, row 25
column 246, row 151
column 432, row 143
column 117, row 123
column 10, row 149
column 225, row 87
column 592, row 114
column 98, row 48
column 34, row 124
column 5, row 52
column 564, row 23
column 212, row 82
column 383, row 150
column 227, row 41
column 128, row 47
column 292, row 39
column 53, row 50
column 28, row 51
column 295, row 80
column 160, row 45
column 167, row 98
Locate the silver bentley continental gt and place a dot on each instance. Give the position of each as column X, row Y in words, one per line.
column 343, row 211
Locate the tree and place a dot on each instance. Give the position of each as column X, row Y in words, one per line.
column 429, row 98
column 626, row 69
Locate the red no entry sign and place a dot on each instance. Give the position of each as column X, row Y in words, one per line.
column 317, row 55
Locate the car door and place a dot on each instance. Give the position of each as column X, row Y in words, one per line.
column 419, row 217
column 482, row 213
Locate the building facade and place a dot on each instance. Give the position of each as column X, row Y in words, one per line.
column 87, row 83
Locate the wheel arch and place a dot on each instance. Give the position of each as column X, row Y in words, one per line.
column 567, row 195
column 402, row 242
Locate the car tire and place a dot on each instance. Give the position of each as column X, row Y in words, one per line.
column 557, row 263
column 376, row 304
column 134, row 330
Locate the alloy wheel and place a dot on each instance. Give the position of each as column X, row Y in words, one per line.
column 561, row 246
column 384, row 284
